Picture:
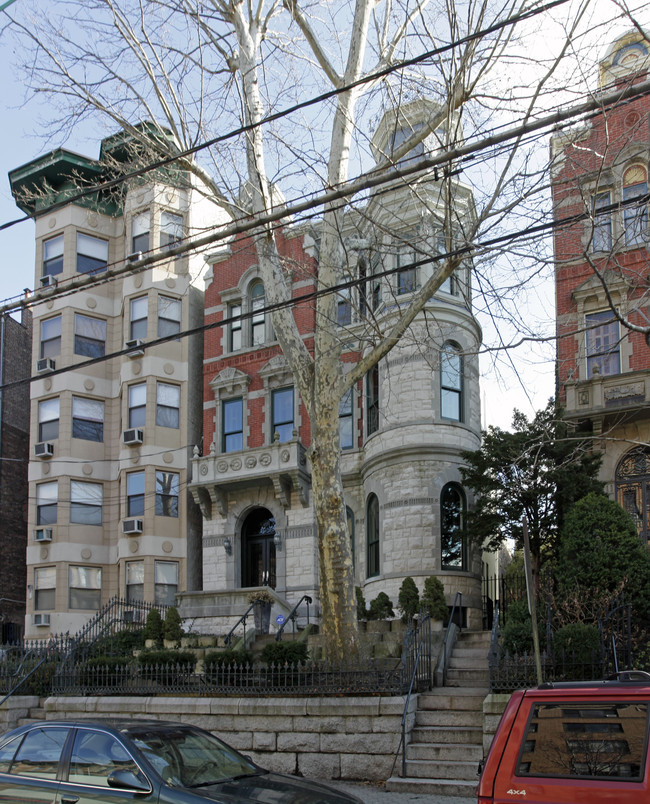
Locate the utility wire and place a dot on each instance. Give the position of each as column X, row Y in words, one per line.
column 291, row 109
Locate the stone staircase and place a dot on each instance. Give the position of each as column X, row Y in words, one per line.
column 34, row 714
column 446, row 744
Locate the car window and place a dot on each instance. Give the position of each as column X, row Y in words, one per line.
column 7, row 754
column 39, row 753
column 589, row 740
column 95, row 755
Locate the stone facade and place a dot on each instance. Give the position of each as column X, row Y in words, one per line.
column 403, row 427
column 603, row 367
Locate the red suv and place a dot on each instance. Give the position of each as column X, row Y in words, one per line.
column 572, row 743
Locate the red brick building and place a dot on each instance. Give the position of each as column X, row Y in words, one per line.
column 602, row 272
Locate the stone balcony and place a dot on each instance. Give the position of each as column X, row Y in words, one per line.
column 284, row 466
column 602, row 396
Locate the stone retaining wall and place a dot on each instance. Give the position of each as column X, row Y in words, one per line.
column 15, row 708
column 493, row 707
column 328, row 738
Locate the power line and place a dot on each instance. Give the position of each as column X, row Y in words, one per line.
column 291, row 109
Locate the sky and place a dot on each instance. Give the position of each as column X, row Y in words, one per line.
column 524, row 378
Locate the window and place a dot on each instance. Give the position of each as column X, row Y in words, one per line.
column 258, row 320
column 451, row 383
column 44, row 587
column 89, row 336
column 169, row 316
column 166, row 582
column 232, row 412
column 46, row 501
column 602, row 233
column 372, row 400
column 452, row 528
column 95, row 755
column 168, row 402
column 85, row 587
column 346, row 420
column 53, row 256
column 92, row 254
column 86, row 503
column 138, row 327
column 48, row 419
column 140, row 232
column 344, row 308
column 171, row 229
column 51, row 337
column 372, row 536
column 137, row 404
column 166, row 494
column 135, row 581
column 603, row 345
column 349, row 516
column 87, row 418
column 282, row 413
column 399, row 138
column 39, row 755
column 573, row 739
column 635, row 215
column 135, row 494
column 376, row 269
column 407, row 272
column 234, row 311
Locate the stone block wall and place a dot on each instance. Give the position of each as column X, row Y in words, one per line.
column 493, row 707
column 329, row 738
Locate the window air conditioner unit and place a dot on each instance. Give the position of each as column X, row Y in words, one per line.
column 136, row 348
column 41, row 619
column 131, row 526
column 48, row 281
column 133, row 436
column 43, row 535
column 43, row 450
column 137, row 255
column 45, row 365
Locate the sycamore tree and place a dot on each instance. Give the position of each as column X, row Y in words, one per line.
column 202, row 68
column 538, row 470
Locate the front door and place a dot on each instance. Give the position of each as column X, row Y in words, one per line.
column 258, row 554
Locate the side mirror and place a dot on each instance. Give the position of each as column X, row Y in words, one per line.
column 127, row 780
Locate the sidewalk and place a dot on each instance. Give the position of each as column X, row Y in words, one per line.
column 373, row 793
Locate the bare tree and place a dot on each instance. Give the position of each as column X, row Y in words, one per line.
column 200, row 68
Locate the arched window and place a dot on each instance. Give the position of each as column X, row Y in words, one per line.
column 258, row 320
column 635, row 215
column 349, row 515
column 451, row 382
column 453, row 543
column 633, row 487
column 372, row 536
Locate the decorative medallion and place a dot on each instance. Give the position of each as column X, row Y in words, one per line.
column 87, row 469
column 251, row 462
column 168, row 368
column 91, row 303
column 46, row 469
column 51, row 223
column 89, row 384
column 135, row 460
column 285, row 455
column 137, row 281
column 265, row 459
column 86, row 553
column 49, row 304
column 48, row 384
column 167, row 547
column 93, row 220
column 222, row 466
column 171, row 283
column 45, row 553
column 632, row 119
column 204, row 469
column 235, row 464
column 134, row 546
column 137, row 366
column 168, row 457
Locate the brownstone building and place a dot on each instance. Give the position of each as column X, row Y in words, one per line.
column 602, row 278
column 15, row 354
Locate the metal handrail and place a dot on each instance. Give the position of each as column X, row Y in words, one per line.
column 293, row 615
column 240, row 621
column 458, row 602
column 24, row 678
column 493, row 655
column 410, row 634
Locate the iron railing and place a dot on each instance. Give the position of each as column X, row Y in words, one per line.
column 292, row 617
column 241, row 621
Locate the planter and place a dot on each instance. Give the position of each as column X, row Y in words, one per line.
column 262, row 617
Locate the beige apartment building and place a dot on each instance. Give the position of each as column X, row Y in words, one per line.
column 111, row 436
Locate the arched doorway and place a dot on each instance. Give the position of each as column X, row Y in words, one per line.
column 258, row 549
column 633, row 487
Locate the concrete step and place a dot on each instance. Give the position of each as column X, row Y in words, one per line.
column 451, row 718
column 467, row 735
column 474, row 639
column 457, row 676
column 454, row 698
column 470, row 654
column 444, row 752
column 431, row 788
column 471, row 663
column 454, row 770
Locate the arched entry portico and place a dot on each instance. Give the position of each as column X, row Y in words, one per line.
column 633, row 487
column 258, row 549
